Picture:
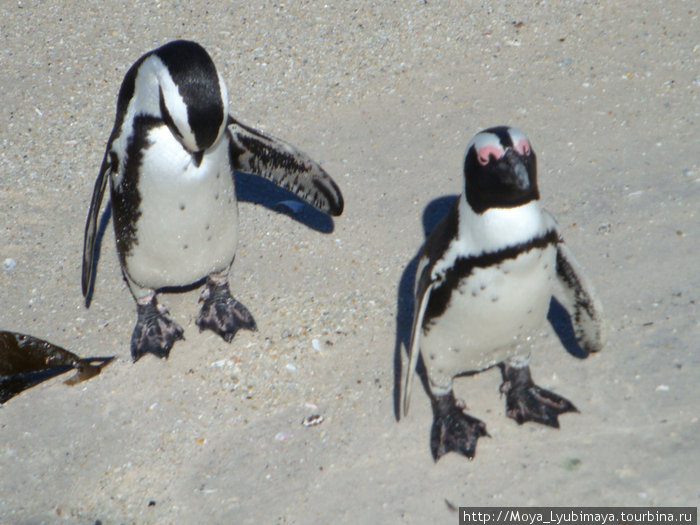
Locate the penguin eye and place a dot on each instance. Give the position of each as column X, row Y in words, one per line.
column 523, row 147
column 484, row 154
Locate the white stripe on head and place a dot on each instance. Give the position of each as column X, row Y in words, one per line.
column 224, row 99
column 145, row 98
column 175, row 105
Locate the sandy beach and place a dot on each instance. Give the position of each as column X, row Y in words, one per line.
column 386, row 96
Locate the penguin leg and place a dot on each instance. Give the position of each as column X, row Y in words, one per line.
column 155, row 332
column 525, row 401
column 220, row 311
column 453, row 430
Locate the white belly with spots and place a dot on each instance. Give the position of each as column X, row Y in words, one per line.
column 188, row 227
column 490, row 317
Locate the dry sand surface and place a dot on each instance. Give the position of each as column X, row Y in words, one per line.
column 386, row 95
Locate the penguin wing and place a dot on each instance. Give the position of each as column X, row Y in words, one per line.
column 253, row 152
column 580, row 299
column 108, row 164
column 424, row 287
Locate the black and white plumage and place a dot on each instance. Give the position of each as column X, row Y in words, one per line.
column 170, row 160
column 484, row 282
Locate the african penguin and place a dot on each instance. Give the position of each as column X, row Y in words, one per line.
column 170, row 161
column 483, row 286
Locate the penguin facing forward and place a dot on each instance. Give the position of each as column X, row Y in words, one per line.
column 170, row 160
column 485, row 278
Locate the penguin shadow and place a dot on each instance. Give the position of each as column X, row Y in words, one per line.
column 256, row 190
column 560, row 320
column 557, row 315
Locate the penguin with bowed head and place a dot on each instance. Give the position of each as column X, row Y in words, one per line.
column 170, row 162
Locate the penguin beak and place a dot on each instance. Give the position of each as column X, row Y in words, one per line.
column 197, row 158
column 522, row 180
column 513, row 170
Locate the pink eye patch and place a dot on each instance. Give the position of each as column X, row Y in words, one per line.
column 485, row 153
column 523, row 147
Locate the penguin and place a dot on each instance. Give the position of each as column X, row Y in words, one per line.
column 170, row 161
column 484, row 281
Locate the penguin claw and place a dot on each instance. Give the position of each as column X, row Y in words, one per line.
column 154, row 332
column 525, row 401
column 453, row 430
column 221, row 313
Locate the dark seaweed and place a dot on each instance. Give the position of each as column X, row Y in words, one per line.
column 26, row 361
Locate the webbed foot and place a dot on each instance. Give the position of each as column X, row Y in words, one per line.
column 221, row 312
column 453, row 430
column 525, row 401
column 154, row 333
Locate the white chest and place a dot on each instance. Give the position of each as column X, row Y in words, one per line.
column 188, row 222
column 491, row 315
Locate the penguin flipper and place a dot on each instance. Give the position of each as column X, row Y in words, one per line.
column 581, row 300
column 414, row 348
column 91, row 224
column 253, row 152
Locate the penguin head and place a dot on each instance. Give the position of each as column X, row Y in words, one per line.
column 500, row 169
column 192, row 96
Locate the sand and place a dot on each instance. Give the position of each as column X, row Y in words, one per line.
column 386, row 95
